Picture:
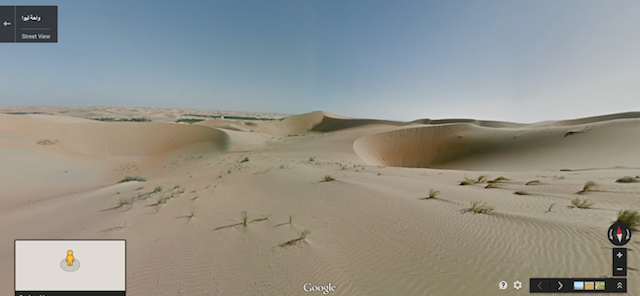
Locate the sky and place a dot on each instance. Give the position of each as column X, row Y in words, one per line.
column 511, row 60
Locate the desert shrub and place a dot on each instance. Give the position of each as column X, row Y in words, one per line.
column 478, row 208
column 588, row 186
column 627, row 179
column 630, row 217
column 327, row 178
column 130, row 179
column 581, row 204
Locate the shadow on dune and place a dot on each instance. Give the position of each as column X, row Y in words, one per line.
column 485, row 123
column 239, row 224
column 228, row 226
column 469, row 146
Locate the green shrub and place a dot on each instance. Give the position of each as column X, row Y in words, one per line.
column 125, row 201
column 327, row 178
column 162, row 200
column 245, row 217
column 304, row 233
column 130, row 178
column 189, row 120
column 121, row 119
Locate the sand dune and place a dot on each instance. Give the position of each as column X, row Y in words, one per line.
column 67, row 154
column 593, row 119
column 320, row 121
column 332, row 124
column 468, row 146
column 293, row 125
column 372, row 230
column 109, row 138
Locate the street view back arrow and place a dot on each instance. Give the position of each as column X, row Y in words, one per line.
column 6, row 24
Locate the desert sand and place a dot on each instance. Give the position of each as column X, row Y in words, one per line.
column 372, row 232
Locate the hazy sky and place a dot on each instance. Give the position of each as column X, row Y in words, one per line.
column 516, row 60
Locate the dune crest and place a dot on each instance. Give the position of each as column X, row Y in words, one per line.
column 471, row 147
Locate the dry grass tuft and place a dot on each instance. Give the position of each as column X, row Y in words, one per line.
column 630, row 217
column 588, row 186
column 125, row 201
column 581, row 204
column 478, row 208
column 327, row 178
column 480, row 179
column 628, row 179
column 499, row 180
column 492, row 185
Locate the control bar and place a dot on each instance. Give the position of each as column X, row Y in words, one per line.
column 578, row 285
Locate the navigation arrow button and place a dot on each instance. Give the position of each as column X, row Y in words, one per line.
column 560, row 285
column 539, row 285
column 6, row 24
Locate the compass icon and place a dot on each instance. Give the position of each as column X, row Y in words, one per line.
column 619, row 233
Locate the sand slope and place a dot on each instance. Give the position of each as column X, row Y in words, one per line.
column 66, row 154
column 109, row 138
column 372, row 231
column 471, row 147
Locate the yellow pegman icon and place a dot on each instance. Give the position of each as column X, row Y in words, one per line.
column 70, row 258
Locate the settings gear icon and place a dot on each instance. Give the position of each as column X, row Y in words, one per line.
column 517, row 285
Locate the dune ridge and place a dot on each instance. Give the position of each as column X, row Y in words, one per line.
column 469, row 146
